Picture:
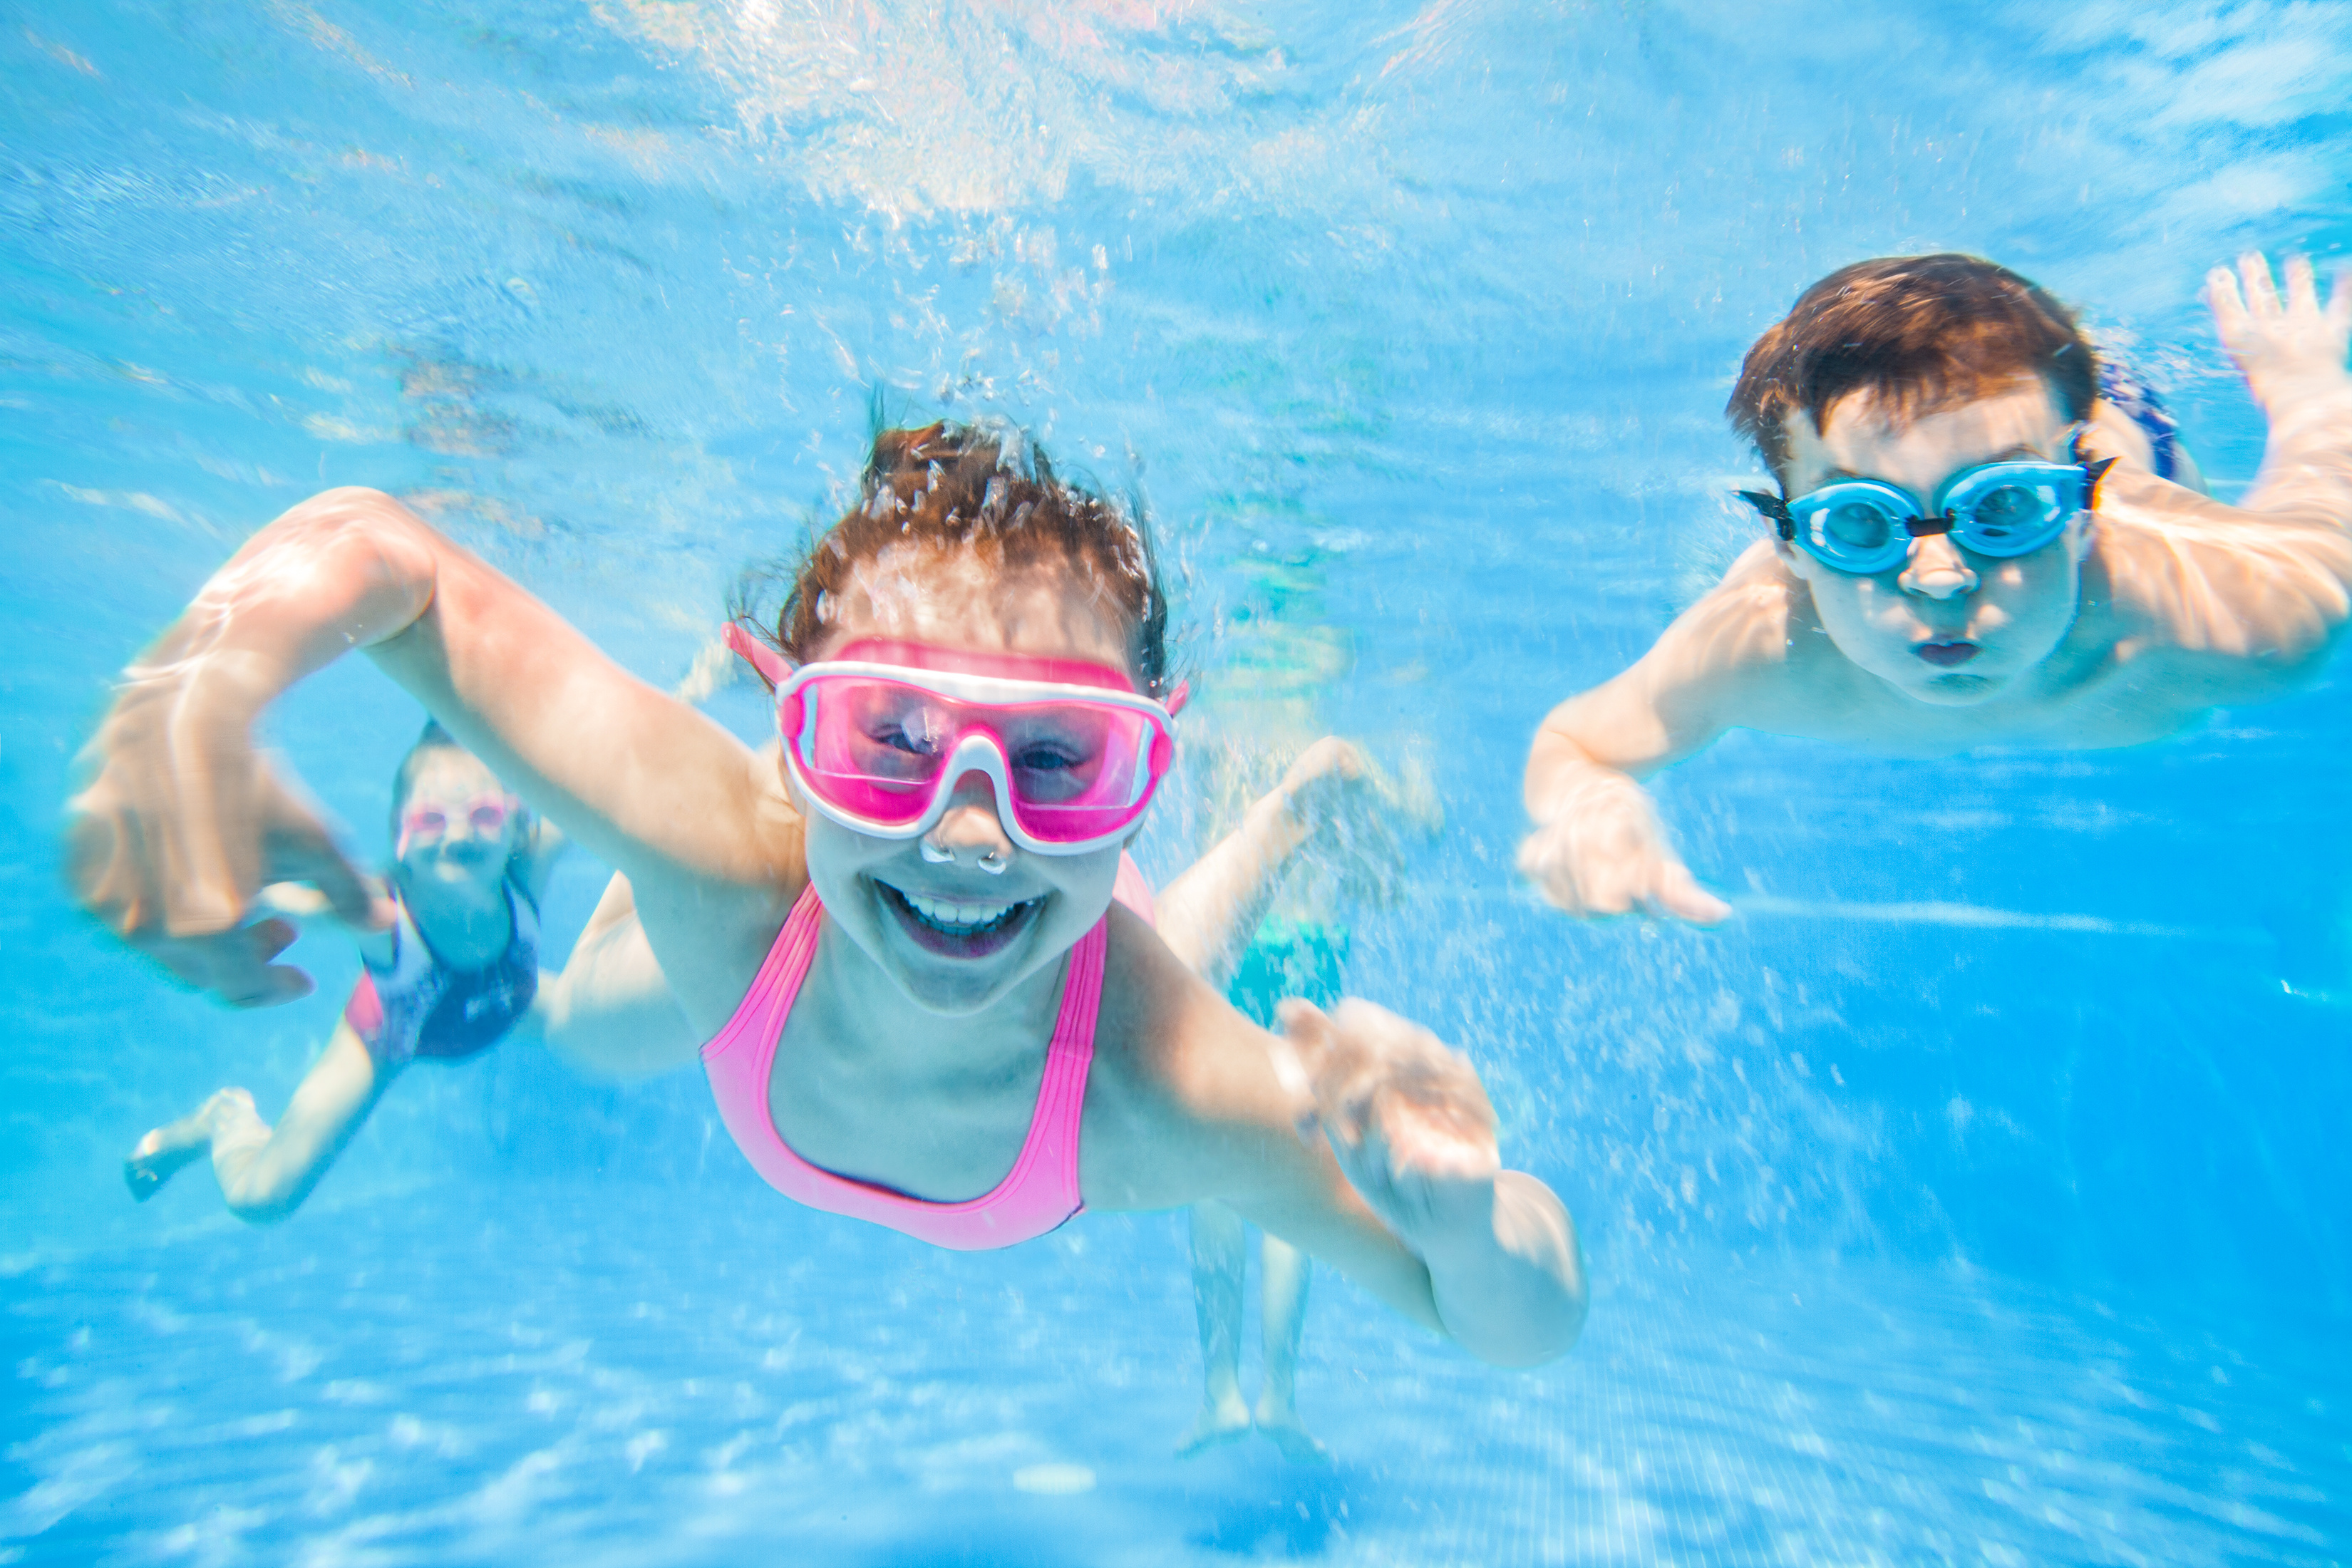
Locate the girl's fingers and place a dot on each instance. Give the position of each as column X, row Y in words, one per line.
column 301, row 850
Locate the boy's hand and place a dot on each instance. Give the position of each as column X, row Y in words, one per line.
column 2285, row 350
column 1407, row 1118
column 1605, row 853
column 173, row 840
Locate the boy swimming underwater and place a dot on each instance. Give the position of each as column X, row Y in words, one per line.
column 1960, row 561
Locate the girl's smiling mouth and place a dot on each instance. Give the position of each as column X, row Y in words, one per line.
column 957, row 928
column 1947, row 654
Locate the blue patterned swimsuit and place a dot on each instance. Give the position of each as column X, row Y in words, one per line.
column 419, row 1007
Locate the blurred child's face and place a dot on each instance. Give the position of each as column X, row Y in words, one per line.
column 1947, row 627
column 953, row 937
column 459, row 823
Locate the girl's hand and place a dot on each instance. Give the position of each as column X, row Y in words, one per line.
column 184, row 822
column 1602, row 852
column 1407, row 1118
column 2285, row 350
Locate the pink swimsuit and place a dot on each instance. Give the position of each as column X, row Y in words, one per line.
column 1041, row 1191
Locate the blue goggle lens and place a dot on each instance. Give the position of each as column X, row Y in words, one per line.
column 2001, row 510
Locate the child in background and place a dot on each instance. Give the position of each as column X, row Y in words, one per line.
column 922, row 1008
column 1206, row 918
column 455, row 971
column 1957, row 563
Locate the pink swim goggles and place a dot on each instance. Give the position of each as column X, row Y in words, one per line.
column 878, row 738
column 485, row 814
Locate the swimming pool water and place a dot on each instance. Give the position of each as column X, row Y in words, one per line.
column 593, row 1377
column 1980, row 1195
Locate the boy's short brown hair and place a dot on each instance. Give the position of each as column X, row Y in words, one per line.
column 1922, row 332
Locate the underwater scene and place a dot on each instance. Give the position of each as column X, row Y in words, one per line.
column 909, row 487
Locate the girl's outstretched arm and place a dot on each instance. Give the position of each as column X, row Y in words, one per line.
column 184, row 819
column 1360, row 1140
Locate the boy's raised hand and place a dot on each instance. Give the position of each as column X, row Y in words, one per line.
column 2287, row 349
column 1602, row 851
column 1407, row 1118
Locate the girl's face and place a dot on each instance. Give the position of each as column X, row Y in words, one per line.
column 459, row 823
column 955, row 938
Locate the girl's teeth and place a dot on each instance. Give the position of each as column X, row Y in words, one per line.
column 939, row 911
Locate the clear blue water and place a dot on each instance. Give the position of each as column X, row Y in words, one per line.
column 1982, row 1195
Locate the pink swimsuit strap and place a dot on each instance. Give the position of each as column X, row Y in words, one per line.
column 1038, row 1194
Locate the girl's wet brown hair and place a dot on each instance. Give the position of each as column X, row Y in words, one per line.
column 1922, row 332
column 960, row 487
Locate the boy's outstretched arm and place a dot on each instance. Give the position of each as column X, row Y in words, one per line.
column 1598, row 848
column 2239, row 602
column 2292, row 353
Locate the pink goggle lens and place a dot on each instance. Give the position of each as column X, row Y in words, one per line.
column 485, row 815
column 877, row 748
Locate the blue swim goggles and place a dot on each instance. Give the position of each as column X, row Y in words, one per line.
column 1865, row 526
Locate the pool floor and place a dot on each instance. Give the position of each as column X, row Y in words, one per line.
column 611, row 1375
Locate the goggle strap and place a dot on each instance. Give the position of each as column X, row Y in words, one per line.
column 2092, row 474
column 1773, row 507
column 772, row 665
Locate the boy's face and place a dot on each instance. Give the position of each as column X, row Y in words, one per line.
column 1947, row 627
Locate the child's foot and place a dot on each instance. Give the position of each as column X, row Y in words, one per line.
column 157, row 1157
column 1221, row 1421
column 1287, row 1432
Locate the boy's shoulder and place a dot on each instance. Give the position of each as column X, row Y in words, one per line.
column 1756, row 624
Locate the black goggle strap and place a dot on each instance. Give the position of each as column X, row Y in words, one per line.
column 2092, row 474
column 1773, row 507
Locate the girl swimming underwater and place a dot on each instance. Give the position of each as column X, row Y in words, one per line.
column 921, row 1006
column 455, row 971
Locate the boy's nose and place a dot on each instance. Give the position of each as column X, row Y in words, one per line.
column 1935, row 570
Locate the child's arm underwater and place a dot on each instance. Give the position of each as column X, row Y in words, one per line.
column 1208, row 914
column 185, row 819
column 2232, row 604
column 609, row 1012
column 1598, row 848
column 1357, row 1137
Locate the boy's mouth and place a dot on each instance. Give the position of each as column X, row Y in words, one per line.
column 954, row 928
column 1947, row 654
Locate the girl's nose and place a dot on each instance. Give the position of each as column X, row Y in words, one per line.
column 971, row 829
column 1937, row 569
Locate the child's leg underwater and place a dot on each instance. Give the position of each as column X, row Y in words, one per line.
column 265, row 1173
column 1284, row 1272
column 1220, row 1271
